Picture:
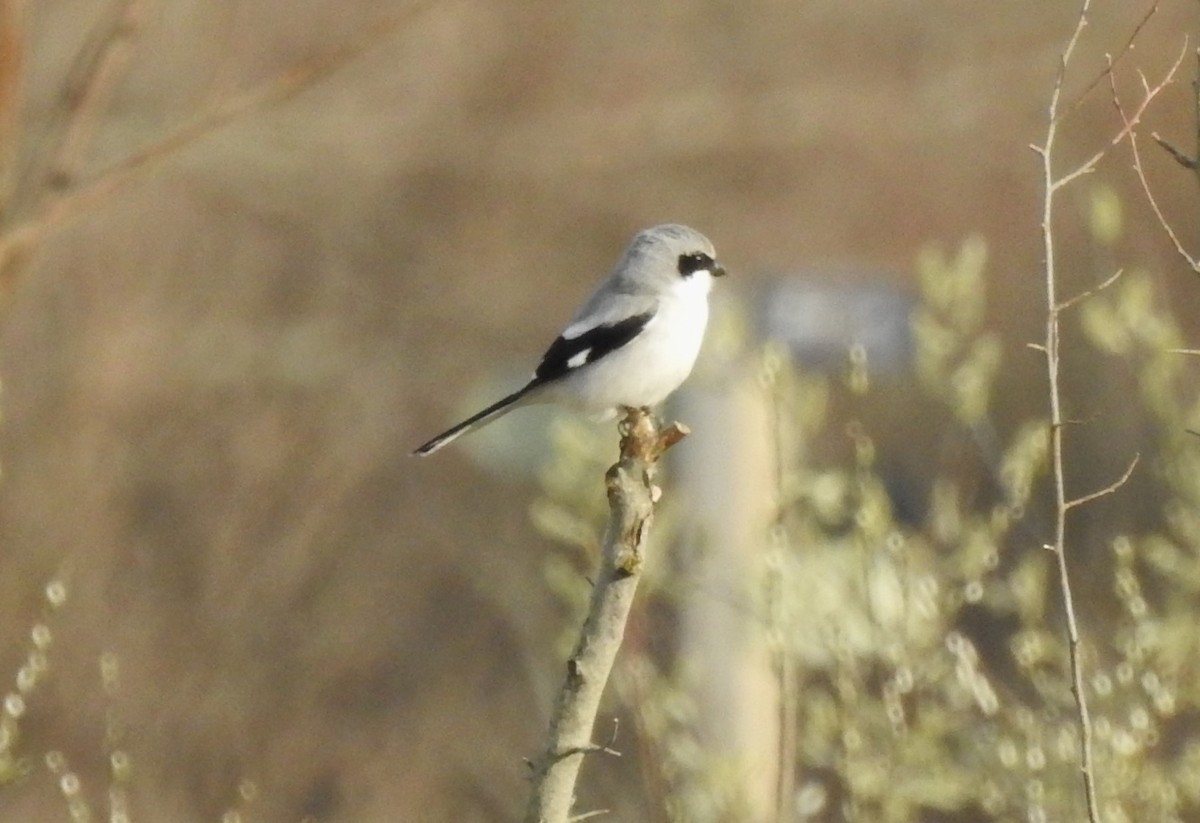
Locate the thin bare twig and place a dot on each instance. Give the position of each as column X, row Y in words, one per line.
column 1125, row 49
column 1149, row 93
column 1192, row 163
column 89, row 94
column 1051, row 185
column 1053, row 182
column 1089, row 165
column 592, row 748
column 1107, row 490
column 17, row 240
column 1189, row 163
column 590, row 815
column 1066, row 304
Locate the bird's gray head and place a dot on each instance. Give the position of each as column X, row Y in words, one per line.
column 664, row 255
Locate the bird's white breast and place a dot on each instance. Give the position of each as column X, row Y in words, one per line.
column 656, row 362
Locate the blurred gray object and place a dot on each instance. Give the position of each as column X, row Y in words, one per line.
column 821, row 320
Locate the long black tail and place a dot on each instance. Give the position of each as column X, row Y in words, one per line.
column 476, row 421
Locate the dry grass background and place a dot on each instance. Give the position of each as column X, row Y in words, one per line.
column 212, row 374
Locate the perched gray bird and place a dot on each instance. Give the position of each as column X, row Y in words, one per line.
column 634, row 340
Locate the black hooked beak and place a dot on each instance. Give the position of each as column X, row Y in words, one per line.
column 717, row 270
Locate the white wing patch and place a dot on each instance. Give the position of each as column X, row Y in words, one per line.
column 575, row 329
column 578, row 359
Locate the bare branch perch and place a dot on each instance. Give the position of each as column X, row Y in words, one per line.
column 631, row 497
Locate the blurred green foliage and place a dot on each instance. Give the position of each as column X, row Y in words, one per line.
column 14, row 764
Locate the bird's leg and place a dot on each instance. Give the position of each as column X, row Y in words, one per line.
column 637, row 430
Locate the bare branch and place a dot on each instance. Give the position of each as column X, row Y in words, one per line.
column 590, row 815
column 1107, row 490
column 1189, row 163
column 1193, row 262
column 18, row 239
column 1112, row 62
column 1050, row 185
column 1131, row 132
column 631, row 505
column 89, row 93
column 1066, row 304
column 1089, row 164
column 590, row 748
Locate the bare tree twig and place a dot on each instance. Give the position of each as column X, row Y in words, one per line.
column 1066, row 304
column 1192, row 163
column 91, row 92
column 1131, row 122
column 591, row 748
column 1087, row 166
column 1107, row 490
column 1125, row 49
column 17, row 240
column 1189, row 163
column 1051, row 184
column 589, row 815
column 1192, row 261
column 631, row 497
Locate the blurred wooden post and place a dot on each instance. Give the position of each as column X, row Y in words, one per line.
column 726, row 476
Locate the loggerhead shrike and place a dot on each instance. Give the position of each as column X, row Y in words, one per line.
column 634, row 340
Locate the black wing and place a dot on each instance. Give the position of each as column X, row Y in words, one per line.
column 569, row 353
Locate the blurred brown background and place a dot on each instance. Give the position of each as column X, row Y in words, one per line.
column 214, row 367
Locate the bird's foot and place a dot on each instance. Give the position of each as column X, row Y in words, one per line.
column 643, row 437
